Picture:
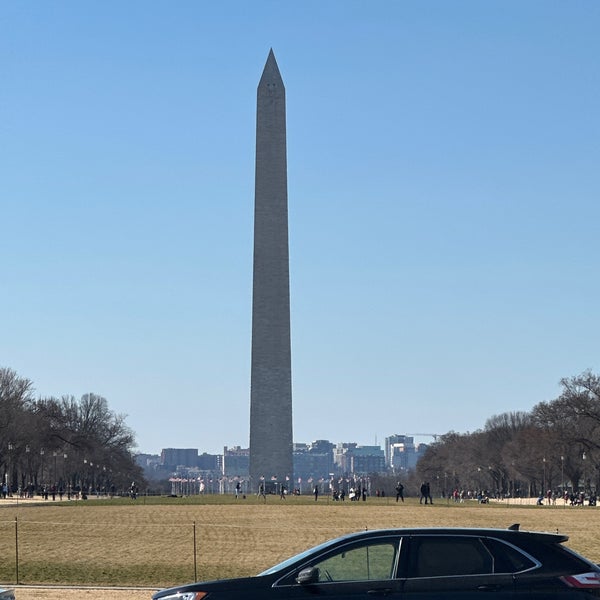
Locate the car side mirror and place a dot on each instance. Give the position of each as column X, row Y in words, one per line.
column 308, row 575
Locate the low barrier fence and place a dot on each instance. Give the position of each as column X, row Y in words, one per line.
column 102, row 553
column 147, row 546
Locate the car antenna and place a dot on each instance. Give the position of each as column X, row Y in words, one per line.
column 515, row 527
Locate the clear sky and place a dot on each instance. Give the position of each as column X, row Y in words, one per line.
column 443, row 183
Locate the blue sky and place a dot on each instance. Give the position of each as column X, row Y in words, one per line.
column 443, row 187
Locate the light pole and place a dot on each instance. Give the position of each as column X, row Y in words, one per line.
column 9, row 474
column 446, row 491
column 84, row 480
column 544, row 475
column 562, row 477
column 42, row 452
column 27, row 460
column 583, row 457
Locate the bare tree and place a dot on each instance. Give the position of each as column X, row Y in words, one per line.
column 16, row 395
column 95, row 440
column 574, row 417
column 528, row 453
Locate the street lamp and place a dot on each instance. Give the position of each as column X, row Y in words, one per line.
column 27, row 450
column 42, row 452
column 562, row 478
column 66, row 484
column 583, row 457
column 65, row 468
column 8, row 475
column 544, row 476
column 446, row 491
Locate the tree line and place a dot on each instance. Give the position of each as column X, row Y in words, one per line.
column 62, row 443
column 554, row 447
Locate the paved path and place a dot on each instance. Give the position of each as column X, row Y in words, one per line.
column 29, row 592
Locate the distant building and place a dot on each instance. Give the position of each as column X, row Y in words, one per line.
column 352, row 459
column 147, row 460
column 313, row 460
column 208, row 462
column 150, row 464
column 235, row 462
column 172, row 457
column 401, row 453
column 394, row 443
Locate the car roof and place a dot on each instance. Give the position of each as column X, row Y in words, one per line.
column 512, row 533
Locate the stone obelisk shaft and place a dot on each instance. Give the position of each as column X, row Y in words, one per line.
column 271, row 447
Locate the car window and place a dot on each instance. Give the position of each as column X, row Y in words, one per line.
column 507, row 559
column 442, row 556
column 373, row 561
column 555, row 556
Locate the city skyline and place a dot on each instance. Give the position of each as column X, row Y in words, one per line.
column 321, row 458
column 299, row 443
column 443, row 193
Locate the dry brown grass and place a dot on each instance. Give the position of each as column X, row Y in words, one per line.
column 152, row 544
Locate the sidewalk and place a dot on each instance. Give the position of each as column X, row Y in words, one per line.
column 16, row 501
column 32, row 592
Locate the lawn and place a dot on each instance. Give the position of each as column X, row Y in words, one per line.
column 163, row 541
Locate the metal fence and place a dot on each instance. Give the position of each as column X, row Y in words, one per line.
column 103, row 553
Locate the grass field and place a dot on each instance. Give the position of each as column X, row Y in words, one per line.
column 158, row 542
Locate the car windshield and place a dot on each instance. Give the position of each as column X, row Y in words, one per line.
column 298, row 557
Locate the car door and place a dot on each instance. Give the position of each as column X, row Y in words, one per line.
column 355, row 571
column 451, row 567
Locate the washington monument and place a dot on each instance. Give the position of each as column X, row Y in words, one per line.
column 271, row 448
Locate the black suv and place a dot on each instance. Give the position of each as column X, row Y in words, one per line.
column 418, row 564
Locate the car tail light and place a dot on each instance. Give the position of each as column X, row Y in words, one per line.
column 589, row 580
